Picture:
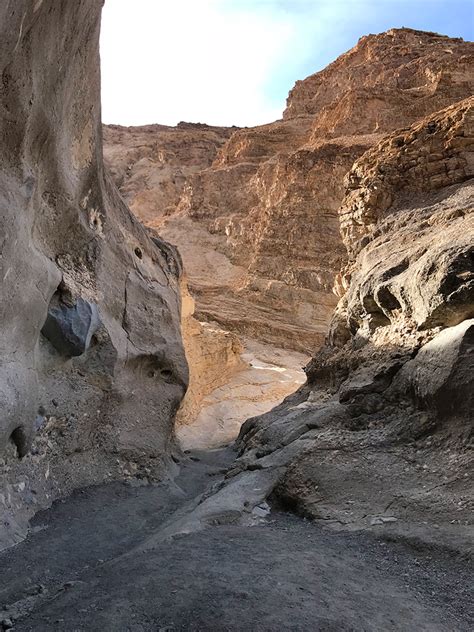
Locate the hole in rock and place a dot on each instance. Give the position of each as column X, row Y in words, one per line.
column 387, row 300
column 20, row 440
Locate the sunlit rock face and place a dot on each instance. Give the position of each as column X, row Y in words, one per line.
column 92, row 367
column 256, row 217
column 386, row 416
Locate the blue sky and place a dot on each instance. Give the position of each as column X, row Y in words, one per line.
column 233, row 61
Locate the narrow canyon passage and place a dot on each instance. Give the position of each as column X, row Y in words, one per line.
column 166, row 463
column 267, row 377
column 86, row 565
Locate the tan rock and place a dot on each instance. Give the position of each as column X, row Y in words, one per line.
column 258, row 229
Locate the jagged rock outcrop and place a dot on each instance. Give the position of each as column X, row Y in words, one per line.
column 380, row 436
column 92, row 367
column 408, row 268
column 259, row 228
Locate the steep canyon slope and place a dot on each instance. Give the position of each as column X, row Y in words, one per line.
column 92, row 367
column 256, row 217
column 380, row 437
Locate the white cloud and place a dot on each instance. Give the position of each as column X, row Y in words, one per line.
column 164, row 61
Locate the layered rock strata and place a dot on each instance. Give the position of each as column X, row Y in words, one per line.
column 380, row 437
column 92, row 366
column 258, row 228
column 394, row 382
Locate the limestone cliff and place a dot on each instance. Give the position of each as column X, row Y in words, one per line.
column 92, row 367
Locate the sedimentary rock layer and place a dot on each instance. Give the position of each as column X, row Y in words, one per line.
column 380, row 436
column 258, row 228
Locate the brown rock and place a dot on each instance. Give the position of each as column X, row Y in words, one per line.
column 258, row 228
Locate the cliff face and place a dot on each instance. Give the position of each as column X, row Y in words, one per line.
column 381, row 434
column 92, row 367
column 150, row 164
column 384, row 82
column 258, row 229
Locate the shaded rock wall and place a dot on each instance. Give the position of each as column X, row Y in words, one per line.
column 100, row 383
column 213, row 354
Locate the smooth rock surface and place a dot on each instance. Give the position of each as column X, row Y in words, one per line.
column 66, row 233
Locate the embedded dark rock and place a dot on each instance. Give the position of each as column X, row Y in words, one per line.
column 70, row 329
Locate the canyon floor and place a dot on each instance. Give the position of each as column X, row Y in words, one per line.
column 268, row 375
column 87, row 564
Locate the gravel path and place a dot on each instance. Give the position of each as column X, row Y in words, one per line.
column 286, row 573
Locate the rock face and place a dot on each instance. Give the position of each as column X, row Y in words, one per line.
column 91, row 351
column 380, row 436
column 151, row 163
column 258, row 228
column 214, row 356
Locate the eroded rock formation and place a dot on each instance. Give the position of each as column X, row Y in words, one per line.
column 381, row 434
column 92, row 363
column 150, row 164
column 258, row 229
column 92, row 367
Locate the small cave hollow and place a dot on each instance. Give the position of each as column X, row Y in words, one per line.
column 19, row 439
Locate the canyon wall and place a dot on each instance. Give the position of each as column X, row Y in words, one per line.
column 257, row 221
column 92, row 366
column 380, row 436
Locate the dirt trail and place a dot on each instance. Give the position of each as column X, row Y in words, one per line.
column 74, row 573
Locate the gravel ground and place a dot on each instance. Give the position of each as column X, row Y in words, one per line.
column 74, row 572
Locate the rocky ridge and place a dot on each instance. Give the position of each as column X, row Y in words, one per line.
column 244, row 271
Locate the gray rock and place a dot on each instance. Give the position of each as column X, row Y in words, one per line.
column 442, row 374
column 63, row 223
column 70, row 329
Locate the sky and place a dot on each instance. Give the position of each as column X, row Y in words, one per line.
column 232, row 62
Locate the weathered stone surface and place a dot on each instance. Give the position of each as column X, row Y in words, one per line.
column 258, row 228
column 383, row 426
column 416, row 258
column 214, row 356
column 64, row 229
column 70, row 328
column 442, row 374
column 384, row 82
column 151, row 163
